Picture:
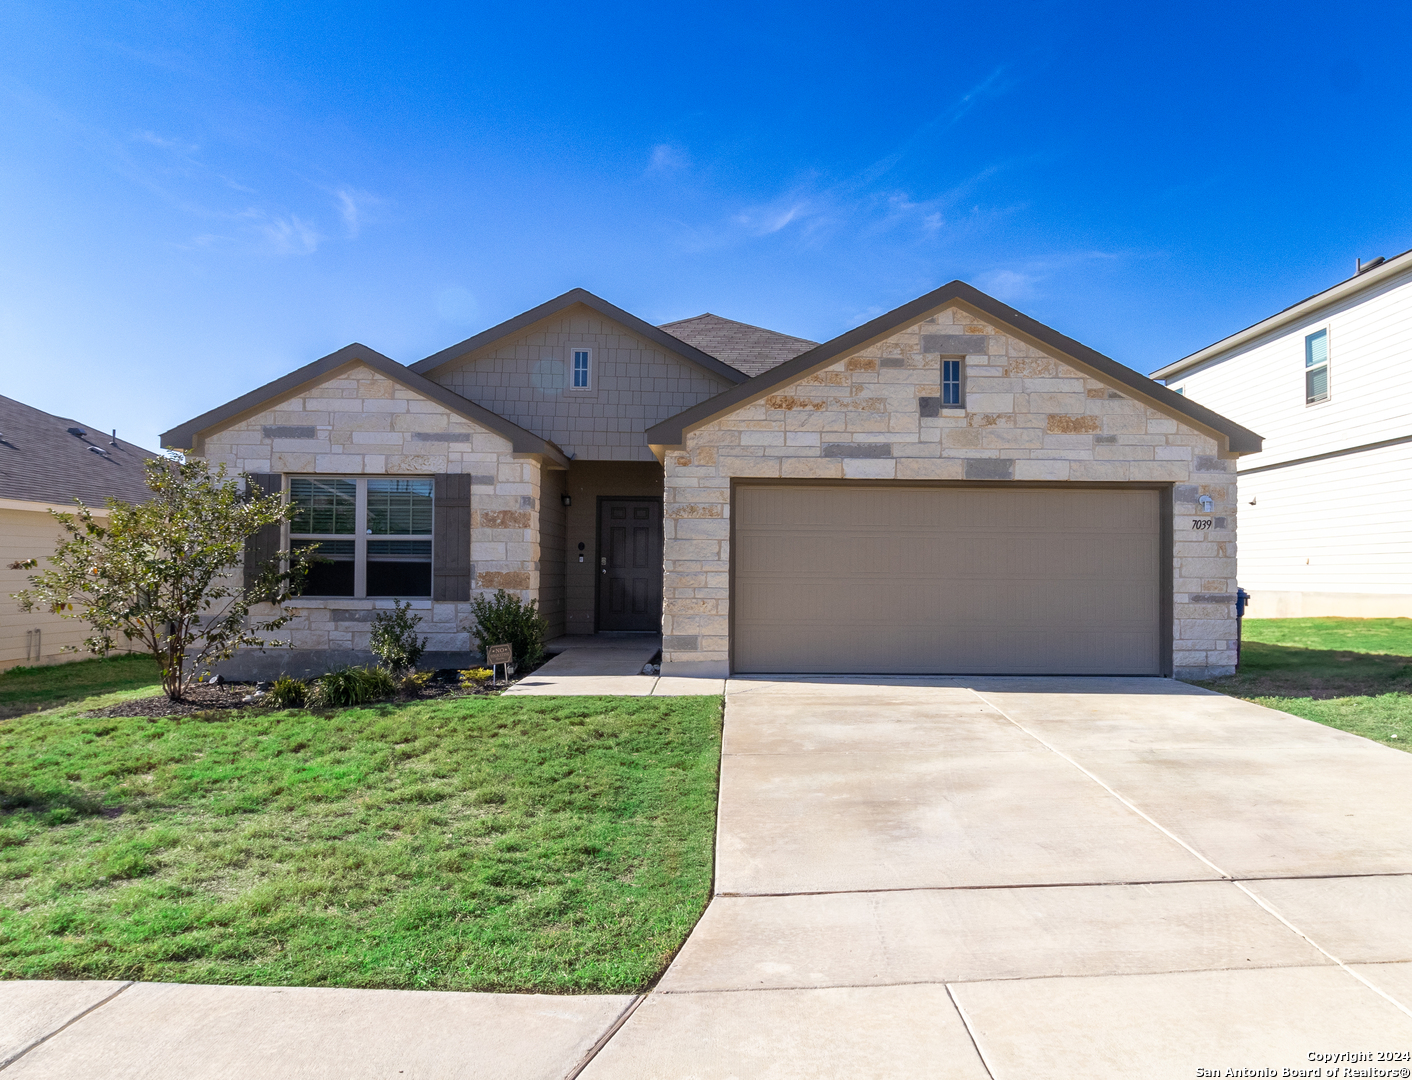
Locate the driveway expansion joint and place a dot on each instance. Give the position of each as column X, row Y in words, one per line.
column 607, row 1036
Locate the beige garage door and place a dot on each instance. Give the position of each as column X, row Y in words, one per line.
column 946, row 580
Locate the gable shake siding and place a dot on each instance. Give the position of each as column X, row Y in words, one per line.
column 1027, row 417
column 635, row 384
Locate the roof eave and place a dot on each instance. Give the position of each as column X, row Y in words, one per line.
column 185, row 436
column 1233, row 439
column 1398, row 264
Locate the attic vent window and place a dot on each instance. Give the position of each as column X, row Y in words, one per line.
column 951, row 384
column 581, row 361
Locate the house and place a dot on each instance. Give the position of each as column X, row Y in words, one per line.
column 1326, row 522
column 953, row 487
column 45, row 463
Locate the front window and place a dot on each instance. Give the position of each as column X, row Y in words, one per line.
column 1316, row 367
column 951, row 383
column 374, row 535
column 581, row 359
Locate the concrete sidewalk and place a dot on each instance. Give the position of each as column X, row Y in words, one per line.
column 163, row 1031
column 1006, row 878
column 608, row 664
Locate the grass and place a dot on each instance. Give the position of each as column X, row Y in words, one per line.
column 27, row 689
column 496, row 843
column 1351, row 674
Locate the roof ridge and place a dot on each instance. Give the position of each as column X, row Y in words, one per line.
column 737, row 322
column 515, row 323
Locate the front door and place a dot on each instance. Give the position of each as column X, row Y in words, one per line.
column 630, row 564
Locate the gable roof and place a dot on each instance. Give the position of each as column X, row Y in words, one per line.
column 1362, row 281
column 595, row 303
column 183, row 437
column 40, row 461
column 1237, row 440
column 751, row 349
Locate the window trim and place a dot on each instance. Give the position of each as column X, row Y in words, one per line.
column 573, row 388
column 1327, row 365
column 360, row 535
column 960, row 362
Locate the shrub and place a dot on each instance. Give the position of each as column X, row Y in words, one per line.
column 414, row 682
column 165, row 572
column 288, row 693
column 504, row 618
column 476, row 677
column 394, row 637
column 351, row 686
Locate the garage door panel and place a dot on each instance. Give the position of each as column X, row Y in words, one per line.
column 964, row 580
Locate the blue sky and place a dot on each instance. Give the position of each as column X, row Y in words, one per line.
column 195, row 199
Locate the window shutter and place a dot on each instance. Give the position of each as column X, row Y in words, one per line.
column 261, row 547
column 451, row 537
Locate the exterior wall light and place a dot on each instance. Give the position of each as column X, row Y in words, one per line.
column 567, row 500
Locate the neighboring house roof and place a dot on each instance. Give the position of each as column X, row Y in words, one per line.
column 42, row 462
column 587, row 299
column 1366, row 279
column 751, row 349
column 1238, row 440
column 184, row 436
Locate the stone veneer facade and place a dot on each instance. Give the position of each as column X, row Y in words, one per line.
column 365, row 424
column 1027, row 417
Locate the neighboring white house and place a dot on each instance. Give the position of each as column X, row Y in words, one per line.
column 1326, row 508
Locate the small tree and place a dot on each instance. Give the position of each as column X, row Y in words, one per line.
column 503, row 619
column 394, row 638
column 163, row 572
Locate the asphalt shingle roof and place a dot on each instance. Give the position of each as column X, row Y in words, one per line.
column 41, row 462
column 751, row 349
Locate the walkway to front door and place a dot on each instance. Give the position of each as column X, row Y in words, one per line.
column 629, row 564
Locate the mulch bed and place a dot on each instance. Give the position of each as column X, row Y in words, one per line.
column 207, row 698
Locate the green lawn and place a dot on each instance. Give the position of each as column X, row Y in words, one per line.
column 24, row 690
column 1352, row 674
column 493, row 843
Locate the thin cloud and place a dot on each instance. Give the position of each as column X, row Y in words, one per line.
column 764, row 220
column 170, row 169
column 355, row 209
column 859, row 203
column 667, row 159
column 1024, row 280
column 290, row 235
column 176, row 145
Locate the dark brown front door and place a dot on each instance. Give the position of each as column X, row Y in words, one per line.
column 630, row 564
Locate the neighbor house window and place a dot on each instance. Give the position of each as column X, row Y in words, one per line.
column 951, row 383
column 1316, row 367
column 373, row 535
column 1179, row 390
column 581, row 359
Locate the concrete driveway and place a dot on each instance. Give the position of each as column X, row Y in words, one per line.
column 1019, row 877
